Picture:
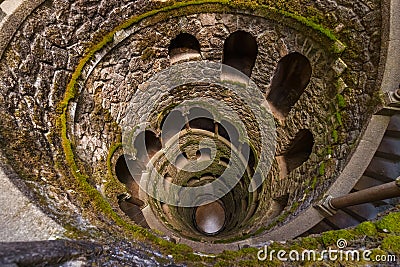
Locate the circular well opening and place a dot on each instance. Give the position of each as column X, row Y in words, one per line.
column 210, row 218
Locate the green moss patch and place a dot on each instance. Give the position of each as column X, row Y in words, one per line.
column 392, row 244
column 366, row 228
column 390, row 223
column 341, row 101
column 330, row 238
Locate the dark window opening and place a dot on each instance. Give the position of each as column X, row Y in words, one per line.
column 223, row 132
column 291, row 78
column 122, row 171
column 248, row 154
column 133, row 210
column 203, row 154
column 198, row 154
column 201, row 119
column 147, row 144
column 129, row 172
column 278, row 205
column 203, row 124
column 229, row 132
column 300, row 150
column 240, row 52
column 282, row 200
column 224, row 160
column 184, row 45
column 172, row 124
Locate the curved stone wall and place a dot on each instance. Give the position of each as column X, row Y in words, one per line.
column 70, row 69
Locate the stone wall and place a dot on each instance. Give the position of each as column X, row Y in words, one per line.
column 37, row 66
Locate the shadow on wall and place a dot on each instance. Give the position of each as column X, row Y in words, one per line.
column 240, row 52
column 297, row 154
column 184, row 47
column 291, row 78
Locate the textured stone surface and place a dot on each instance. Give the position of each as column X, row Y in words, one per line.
column 42, row 253
column 20, row 219
column 2, row 14
column 8, row 7
column 38, row 62
column 77, row 253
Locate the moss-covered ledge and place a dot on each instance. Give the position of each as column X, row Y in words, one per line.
column 380, row 237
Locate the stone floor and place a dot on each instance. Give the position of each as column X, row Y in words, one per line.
column 20, row 219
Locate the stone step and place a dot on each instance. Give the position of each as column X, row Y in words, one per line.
column 363, row 212
column 366, row 182
column 320, row 228
column 343, row 220
column 393, row 129
column 389, row 148
column 383, row 169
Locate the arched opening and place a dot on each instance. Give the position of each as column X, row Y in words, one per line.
column 172, row 124
column 224, row 160
column 147, row 144
column 240, row 52
column 291, row 78
column 184, row 46
column 300, row 150
column 229, row 132
column 122, row 170
column 181, row 161
column 203, row 154
column 248, row 154
column 201, row 119
column 128, row 172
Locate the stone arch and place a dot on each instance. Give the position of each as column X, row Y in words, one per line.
column 201, row 119
column 240, row 51
column 248, row 154
column 147, row 144
column 122, row 170
column 184, row 46
column 173, row 123
column 128, row 170
column 228, row 131
column 291, row 78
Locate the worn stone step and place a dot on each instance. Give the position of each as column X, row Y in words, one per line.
column 389, row 148
column 323, row 226
column 383, row 169
column 366, row 182
column 394, row 127
column 363, row 212
column 343, row 220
